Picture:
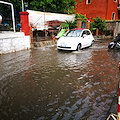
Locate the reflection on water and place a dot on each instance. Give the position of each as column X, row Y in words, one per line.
column 44, row 84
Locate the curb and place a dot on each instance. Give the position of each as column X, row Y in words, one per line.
column 43, row 43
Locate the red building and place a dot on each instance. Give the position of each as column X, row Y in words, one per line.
column 105, row 9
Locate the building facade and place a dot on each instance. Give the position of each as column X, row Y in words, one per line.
column 105, row 9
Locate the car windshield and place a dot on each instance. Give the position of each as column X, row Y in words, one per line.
column 73, row 33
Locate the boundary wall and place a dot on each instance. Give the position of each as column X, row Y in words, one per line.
column 13, row 41
column 114, row 26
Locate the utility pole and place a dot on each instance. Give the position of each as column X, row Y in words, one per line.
column 44, row 24
column 68, row 14
column 22, row 6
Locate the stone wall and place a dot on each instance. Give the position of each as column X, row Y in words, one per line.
column 12, row 42
column 113, row 26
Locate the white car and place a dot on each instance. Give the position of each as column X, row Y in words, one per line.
column 75, row 39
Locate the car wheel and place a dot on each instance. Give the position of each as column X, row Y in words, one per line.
column 92, row 43
column 79, row 47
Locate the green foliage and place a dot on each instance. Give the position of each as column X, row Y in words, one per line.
column 98, row 23
column 83, row 17
column 65, row 25
column 68, row 24
column 61, row 6
column 107, row 32
column 16, row 4
column 73, row 24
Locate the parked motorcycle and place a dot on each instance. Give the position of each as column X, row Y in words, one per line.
column 116, row 43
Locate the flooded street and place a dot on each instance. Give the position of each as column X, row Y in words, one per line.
column 47, row 84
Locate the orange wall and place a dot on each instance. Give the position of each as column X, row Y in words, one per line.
column 101, row 8
column 112, row 7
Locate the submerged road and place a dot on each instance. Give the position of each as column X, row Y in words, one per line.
column 47, row 84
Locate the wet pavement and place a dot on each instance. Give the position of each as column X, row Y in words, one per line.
column 46, row 84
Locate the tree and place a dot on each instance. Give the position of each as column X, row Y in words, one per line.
column 99, row 24
column 58, row 6
column 61, row 6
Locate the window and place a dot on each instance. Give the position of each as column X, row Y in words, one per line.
column 113, row 16
column 85, row 33
column 115, row 0
column 73, row 33
column 88, row 1
column 88, row 33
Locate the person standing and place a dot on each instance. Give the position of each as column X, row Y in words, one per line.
column 0, row 19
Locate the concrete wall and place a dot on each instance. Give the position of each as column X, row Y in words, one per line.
column 113, row 26
column 12, row 42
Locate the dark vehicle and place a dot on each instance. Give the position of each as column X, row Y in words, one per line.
column 116, row 43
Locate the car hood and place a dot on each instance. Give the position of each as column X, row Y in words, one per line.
column 67, row 39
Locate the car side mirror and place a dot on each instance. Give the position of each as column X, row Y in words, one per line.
column 84, row 35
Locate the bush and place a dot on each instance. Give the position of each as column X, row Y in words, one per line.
column 68, row 24
column 99, row 24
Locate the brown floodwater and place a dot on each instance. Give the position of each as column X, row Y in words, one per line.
column 47, row 84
